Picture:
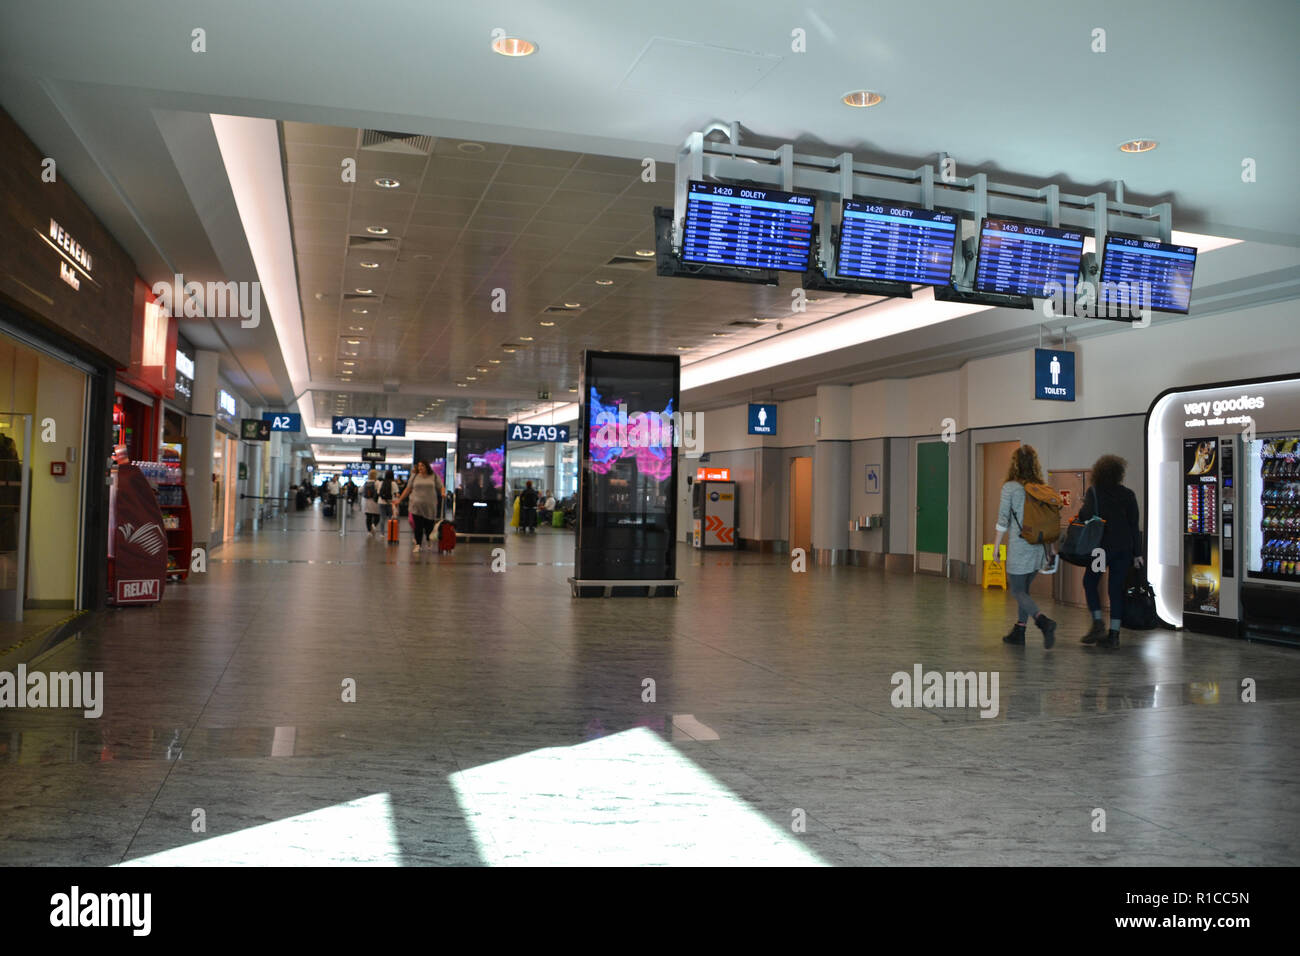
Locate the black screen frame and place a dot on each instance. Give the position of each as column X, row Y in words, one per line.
column 952, row 257
column 979, row 252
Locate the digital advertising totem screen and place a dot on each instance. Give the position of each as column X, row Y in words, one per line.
column 480, row 476
column 627, row 484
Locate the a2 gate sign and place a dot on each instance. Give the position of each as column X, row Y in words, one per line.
column 283, row 421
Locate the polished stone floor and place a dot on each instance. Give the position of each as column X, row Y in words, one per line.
column 498, row 721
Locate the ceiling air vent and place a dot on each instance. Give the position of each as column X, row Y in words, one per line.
column 631, row 263
column 368, row 242
column 410, row 144
column 748, row 325
column 559, row 309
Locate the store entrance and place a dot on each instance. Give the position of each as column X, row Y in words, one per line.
column 15, row 449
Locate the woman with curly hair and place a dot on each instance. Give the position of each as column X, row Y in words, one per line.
column 1121, row 544
column 1024, row 560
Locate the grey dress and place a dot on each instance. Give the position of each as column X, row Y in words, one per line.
column 1022, row 557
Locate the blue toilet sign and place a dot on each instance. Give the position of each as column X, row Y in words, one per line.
column 1053, row 375
column 762, row 419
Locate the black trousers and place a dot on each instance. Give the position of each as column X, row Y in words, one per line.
column 372, row 521
column 424, row 528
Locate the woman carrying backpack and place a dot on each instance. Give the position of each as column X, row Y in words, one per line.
column 1121, row 544
column 387, row 491
column 1024, row 560
column 370, row 501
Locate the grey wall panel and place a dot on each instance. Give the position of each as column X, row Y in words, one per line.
column 831, row 477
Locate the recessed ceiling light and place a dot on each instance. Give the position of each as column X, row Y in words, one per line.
column 471, row 378
column 353, row 341
column 525, row 338
column 683, row 348
column 861, row 99
column 573, row 305
column 349, row 353
column 546, row 323
column 356, row 328
column 461, row 385
column 471, row 147
column 494, row 361
column 349, row 363
column 509, row 350
column 573, row 389
column 370, row 265
column 1138, row 146
column 386, row 183
column 361, row 311
column 718, row 335
column 377, row 230
column 481, row 368
column 514, row 46
column 364, row 291
column 645, row 253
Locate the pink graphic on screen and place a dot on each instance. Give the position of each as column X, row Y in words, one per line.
column 653, row 460
column 494, row 459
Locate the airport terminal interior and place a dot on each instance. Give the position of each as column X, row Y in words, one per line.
column 449, row 434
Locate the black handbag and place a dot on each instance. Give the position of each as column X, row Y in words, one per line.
column 1139, row 603
column 1082, row 538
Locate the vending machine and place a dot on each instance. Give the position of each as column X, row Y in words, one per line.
column 1222, row 513
column 713, row 509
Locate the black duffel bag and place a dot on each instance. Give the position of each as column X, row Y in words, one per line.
column 1081, row 539
column 1139, row 602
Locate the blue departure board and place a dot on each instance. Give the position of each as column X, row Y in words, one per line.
column 1018, row 258
column 754, row 227
column 893, row 243
column 1166, row 270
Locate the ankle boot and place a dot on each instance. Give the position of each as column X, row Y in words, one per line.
column 1048, row 627
column 1110, row 640
column 1017, row 635
column 1097, row 633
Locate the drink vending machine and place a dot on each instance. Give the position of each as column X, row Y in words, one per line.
column 1223, row 508
column 713, row 509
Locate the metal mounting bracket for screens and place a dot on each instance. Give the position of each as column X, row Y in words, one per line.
column 838, row 178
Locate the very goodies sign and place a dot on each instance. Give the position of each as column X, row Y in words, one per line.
column 1053, row 375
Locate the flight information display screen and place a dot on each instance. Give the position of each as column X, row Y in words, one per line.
column 1165, row 269
column 754, row 227
column 1018, row 258
column 888, row 242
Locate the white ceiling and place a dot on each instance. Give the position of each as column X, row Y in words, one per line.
column 1011, row 88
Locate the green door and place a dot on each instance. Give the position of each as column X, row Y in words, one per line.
column 932, row 497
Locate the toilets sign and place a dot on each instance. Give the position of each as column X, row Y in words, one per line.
column 762, row 419
column 1053, row 375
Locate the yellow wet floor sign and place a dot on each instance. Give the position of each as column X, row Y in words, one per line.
column 995, row 572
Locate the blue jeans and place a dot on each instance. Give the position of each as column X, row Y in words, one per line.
column 1019, row 584
column 1117, row 566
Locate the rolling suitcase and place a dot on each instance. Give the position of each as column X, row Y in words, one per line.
column 446, row 536
column 393, row 530
column 327, row 509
